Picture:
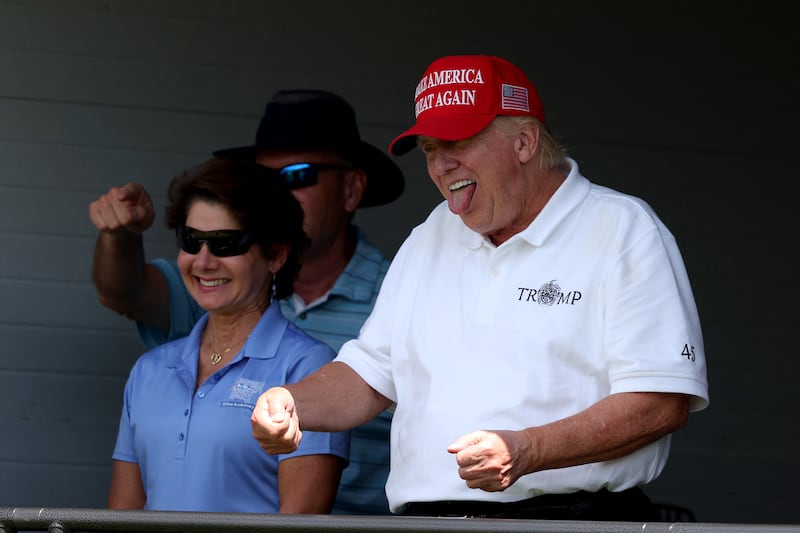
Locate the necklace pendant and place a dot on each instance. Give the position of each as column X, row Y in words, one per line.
column 216, row 357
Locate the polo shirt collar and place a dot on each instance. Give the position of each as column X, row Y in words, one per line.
column 265, row 338
column 262, row 343
column 566, row 198
column 364, row 265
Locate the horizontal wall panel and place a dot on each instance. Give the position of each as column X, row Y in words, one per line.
column 117, row 128
column 68, row 351
column 28, row 485
column 36, row 395
column 57, row 304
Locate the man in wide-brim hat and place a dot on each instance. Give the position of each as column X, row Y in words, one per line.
column 320, row 121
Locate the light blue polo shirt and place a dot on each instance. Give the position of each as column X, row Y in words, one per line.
column 195, row 449
column 334, row 320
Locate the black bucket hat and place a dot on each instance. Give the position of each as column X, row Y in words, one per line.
column 320, row 120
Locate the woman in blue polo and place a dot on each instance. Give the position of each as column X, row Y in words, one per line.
column 185, row 441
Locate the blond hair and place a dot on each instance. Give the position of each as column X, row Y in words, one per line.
column 551, row 153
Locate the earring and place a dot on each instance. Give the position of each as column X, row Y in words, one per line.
column 274, row 289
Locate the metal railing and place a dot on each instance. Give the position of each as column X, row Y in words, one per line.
column 67, row 520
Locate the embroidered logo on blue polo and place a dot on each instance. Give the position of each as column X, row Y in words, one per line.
column 548, row 294
column 244, row 393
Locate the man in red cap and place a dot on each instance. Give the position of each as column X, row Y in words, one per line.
column 537, row 334
column 312, row 138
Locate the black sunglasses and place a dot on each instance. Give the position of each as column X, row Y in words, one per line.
column 301, row 175
column 221, row 243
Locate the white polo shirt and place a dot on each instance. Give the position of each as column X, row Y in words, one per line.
column 591, row 299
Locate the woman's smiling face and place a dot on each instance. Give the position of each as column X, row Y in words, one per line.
column 225, row 285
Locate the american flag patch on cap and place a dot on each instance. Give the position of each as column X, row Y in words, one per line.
column 515, row 97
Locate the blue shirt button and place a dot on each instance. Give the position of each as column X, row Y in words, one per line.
column 186, row 413
column 180, row 437
column 201, row 394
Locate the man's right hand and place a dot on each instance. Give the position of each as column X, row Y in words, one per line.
column 124, row 282
column 123, row 208
column 275, row 423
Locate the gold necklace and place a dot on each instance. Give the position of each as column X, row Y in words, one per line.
column 216, row 357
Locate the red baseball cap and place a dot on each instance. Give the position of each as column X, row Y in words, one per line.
column 458, row 96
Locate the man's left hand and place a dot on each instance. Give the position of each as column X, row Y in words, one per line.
column 491, row 460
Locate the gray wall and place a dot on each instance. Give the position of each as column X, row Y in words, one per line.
column 691, row 106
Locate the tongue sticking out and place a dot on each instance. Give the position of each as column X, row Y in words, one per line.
column 459, row 200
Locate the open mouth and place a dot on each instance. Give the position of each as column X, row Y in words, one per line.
column 460, row 184
column 460, row 195
column 212, row 282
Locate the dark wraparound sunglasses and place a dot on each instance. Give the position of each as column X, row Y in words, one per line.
column 221, row 243
column 301, row 175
